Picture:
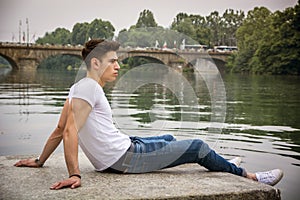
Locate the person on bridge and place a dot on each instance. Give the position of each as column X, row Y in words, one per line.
column 86, row 119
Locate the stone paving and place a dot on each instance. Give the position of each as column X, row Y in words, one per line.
column 183, row 182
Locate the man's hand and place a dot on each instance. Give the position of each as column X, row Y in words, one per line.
column 27, row 163
column 72, row 182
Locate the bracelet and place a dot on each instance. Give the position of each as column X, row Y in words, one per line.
column 38, row 162
column 77, row 175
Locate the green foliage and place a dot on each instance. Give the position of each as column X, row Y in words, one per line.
column 61, row 63
column 81, row 32
column 59, row 36
column 230, row 62
column 101, row 29
column 146, row 33
column 269, row 43
column 146, row 19
column 186, row 27
column 231, row 21
column 250, row 35
column 148, row 37
column 210, row 30
column 138, row 61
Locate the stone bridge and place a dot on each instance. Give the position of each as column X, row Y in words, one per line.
column 23, row 57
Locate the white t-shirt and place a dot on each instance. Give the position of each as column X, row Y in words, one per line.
column 99, row 139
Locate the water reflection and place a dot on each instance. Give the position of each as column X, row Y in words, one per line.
column 264, row 106
column 262, row 121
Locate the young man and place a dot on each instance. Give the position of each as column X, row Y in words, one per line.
column 86, row 119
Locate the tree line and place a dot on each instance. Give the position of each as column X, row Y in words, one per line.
column 214, row 29
column 268, row 43
column 81, row 32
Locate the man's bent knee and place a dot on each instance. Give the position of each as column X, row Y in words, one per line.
column 203, row 148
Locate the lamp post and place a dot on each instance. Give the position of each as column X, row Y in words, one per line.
column 20, row 25
column 27, row 23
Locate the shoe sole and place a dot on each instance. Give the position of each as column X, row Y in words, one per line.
column 278, row 179
column 237, row 161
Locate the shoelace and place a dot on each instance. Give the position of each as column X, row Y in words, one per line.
column 265, row 176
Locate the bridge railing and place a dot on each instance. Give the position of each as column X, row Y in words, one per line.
column 129, row 49
column 33, row 45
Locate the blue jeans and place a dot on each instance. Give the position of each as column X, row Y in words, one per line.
column 159, row 152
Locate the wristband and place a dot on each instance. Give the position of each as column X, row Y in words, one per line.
column 77, row 175
column 38, row 162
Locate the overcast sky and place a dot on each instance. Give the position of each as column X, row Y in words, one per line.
column 47, row 15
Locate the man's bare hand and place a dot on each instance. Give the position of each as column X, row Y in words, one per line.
column 72, row 182
column 27, row 163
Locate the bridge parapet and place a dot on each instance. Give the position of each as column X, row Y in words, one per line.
column 23, row 56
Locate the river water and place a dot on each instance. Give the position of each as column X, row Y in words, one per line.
column 262, row 122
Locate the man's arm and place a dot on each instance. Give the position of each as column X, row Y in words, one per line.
column 77, row 115
column 52, row 142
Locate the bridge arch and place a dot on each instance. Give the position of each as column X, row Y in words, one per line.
column 11, row 61
column 130, row 54
column 220, row 64
column 168, row 58
column 22, row 56
column 148, row 58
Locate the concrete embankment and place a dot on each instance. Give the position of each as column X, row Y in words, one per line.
column 184, row 182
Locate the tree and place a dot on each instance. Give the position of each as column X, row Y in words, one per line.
column 60, row 62
column 142, row 34
column 59, row 36
column 194, row 26
column 214, row 23
column 101, row 29
column 279, row 53
column 250, row 35
column 178, row 19
column 269, row 43
column 211, row 30
column 231, row 22
column 201, row 29
column 186, row 27
column 80, row 33
column 146, row 19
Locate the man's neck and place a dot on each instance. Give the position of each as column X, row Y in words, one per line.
column 96, row 78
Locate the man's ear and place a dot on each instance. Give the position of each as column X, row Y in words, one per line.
column 95, row 62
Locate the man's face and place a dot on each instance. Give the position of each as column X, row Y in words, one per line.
column 110, row 62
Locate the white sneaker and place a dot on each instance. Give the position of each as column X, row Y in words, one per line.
column 237, row 161
column 270, row 177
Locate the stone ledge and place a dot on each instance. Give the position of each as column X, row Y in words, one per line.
column 183, row 182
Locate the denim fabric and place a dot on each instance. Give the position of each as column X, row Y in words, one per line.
column 159, row 152
column 150, row 144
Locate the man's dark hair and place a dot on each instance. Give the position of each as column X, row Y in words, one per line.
column 96, row 48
